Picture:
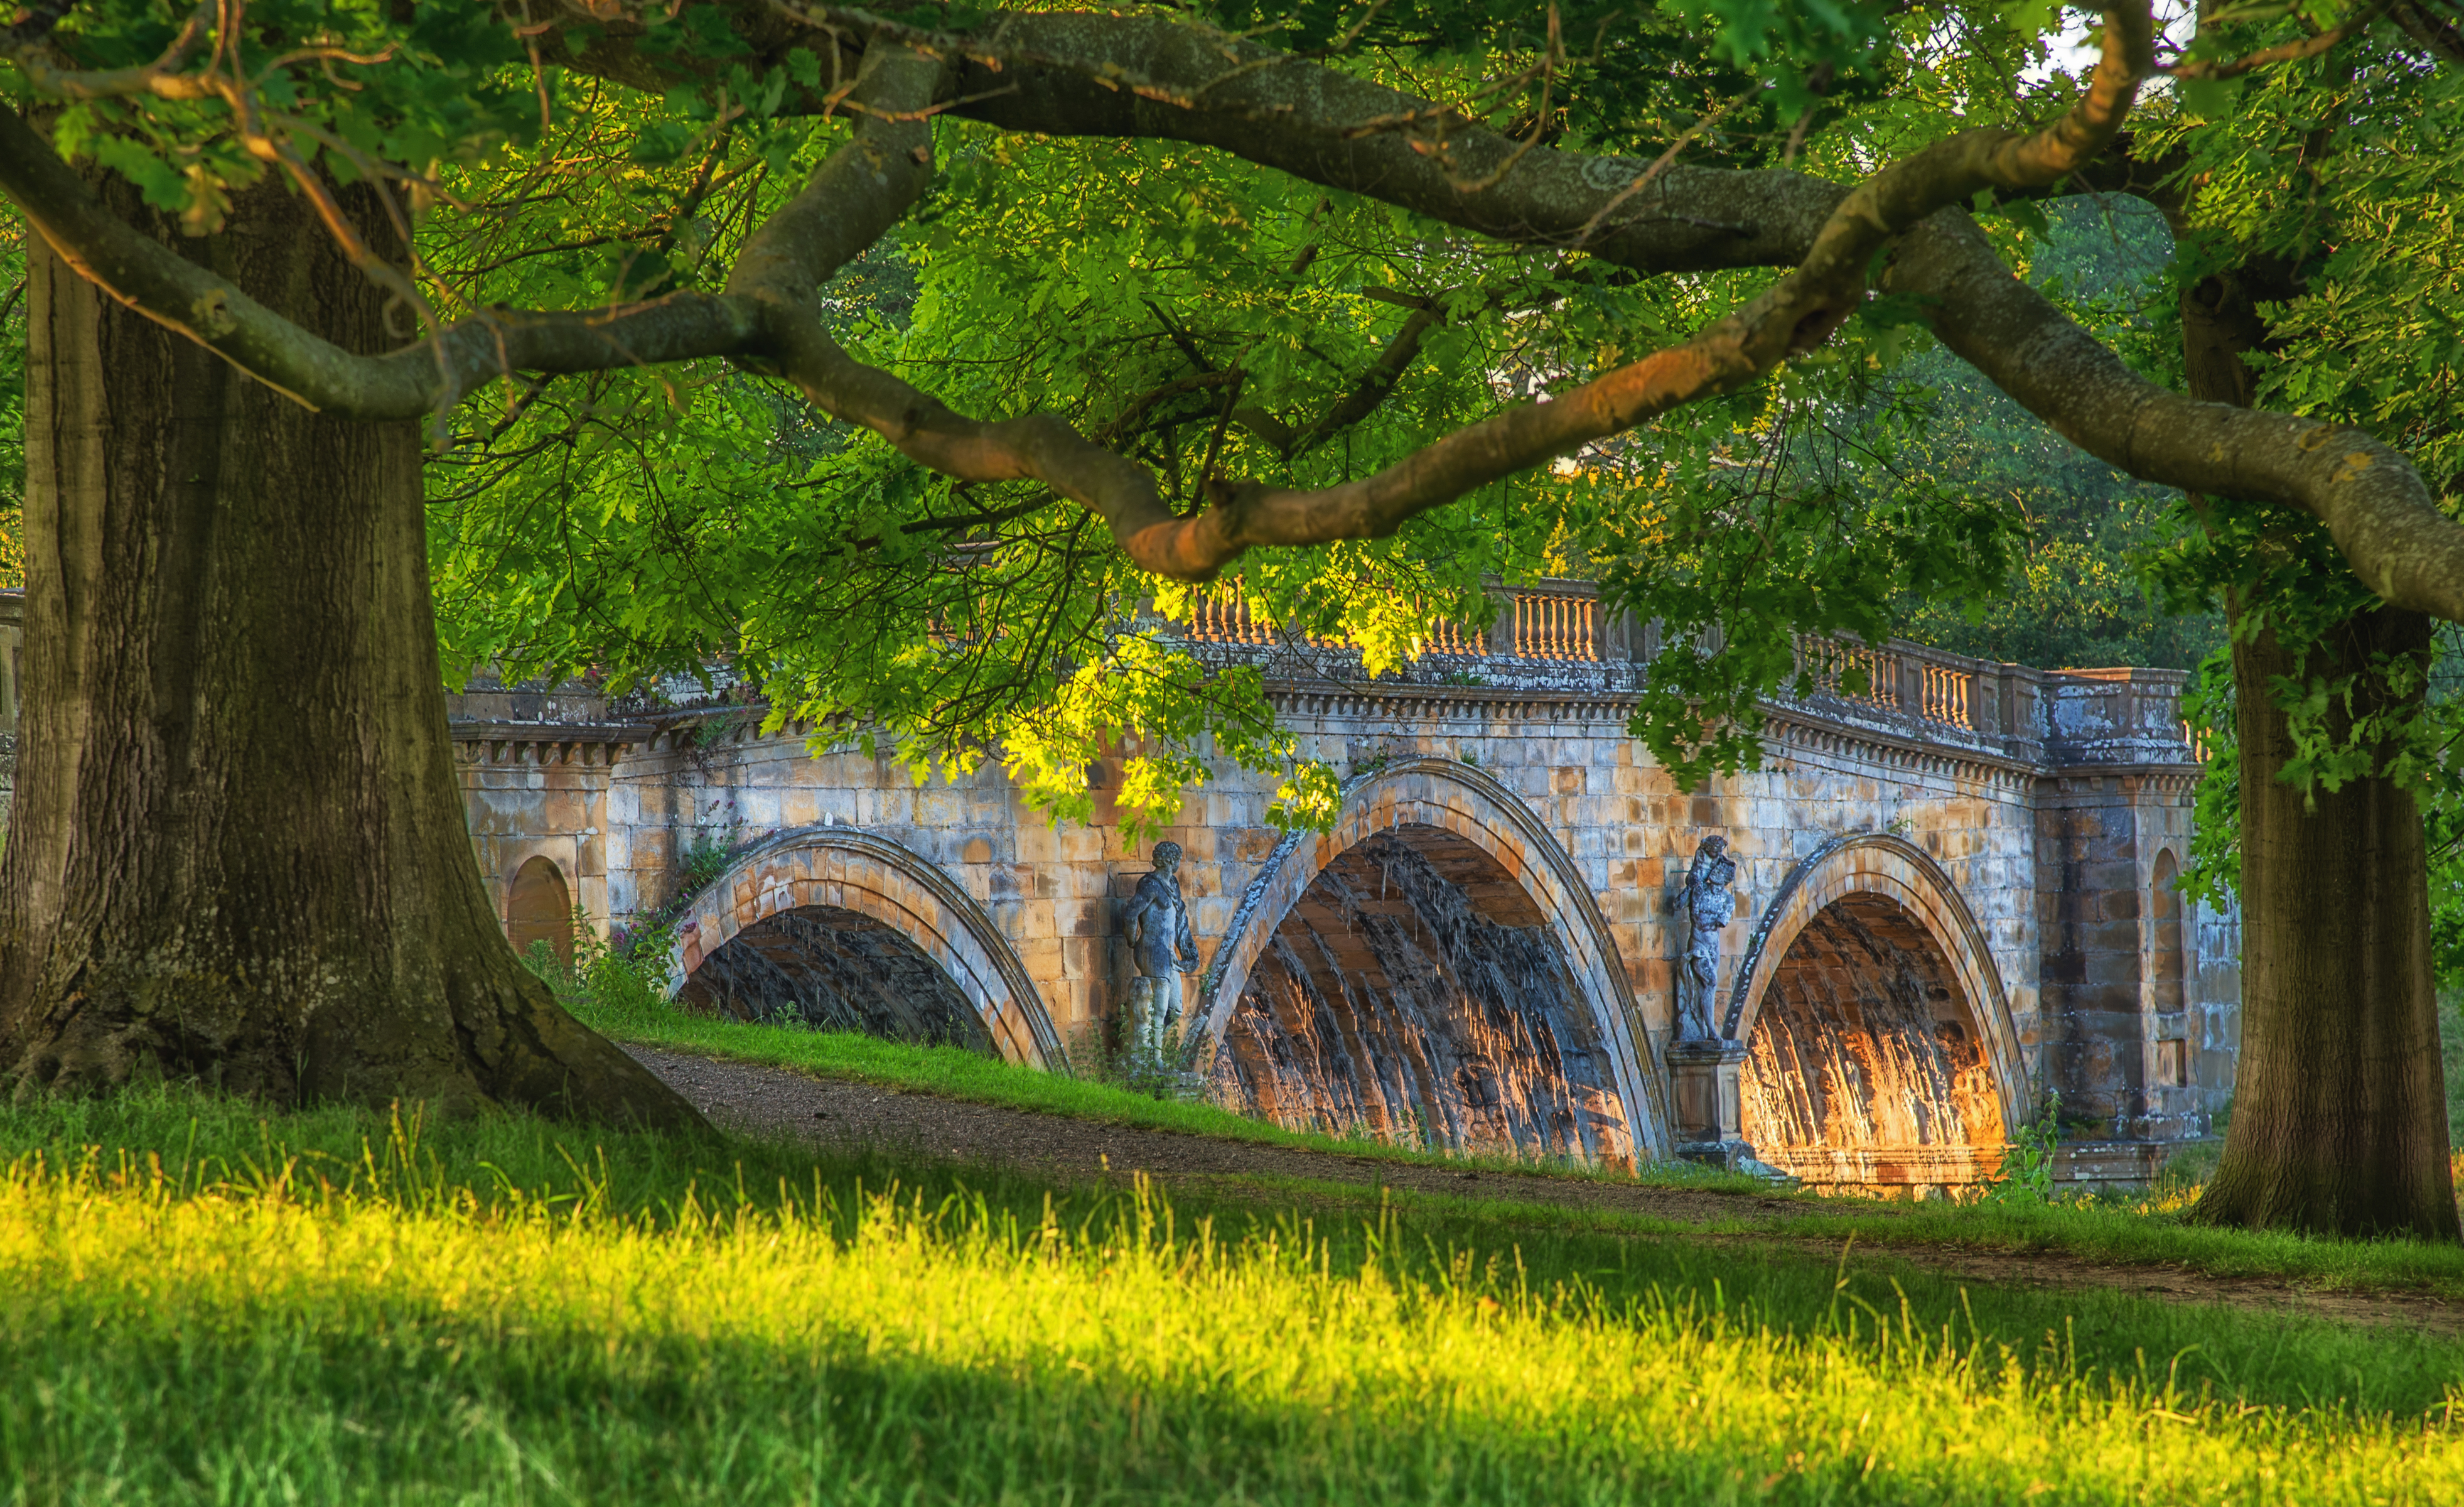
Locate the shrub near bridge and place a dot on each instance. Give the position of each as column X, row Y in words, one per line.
column 335, row 1305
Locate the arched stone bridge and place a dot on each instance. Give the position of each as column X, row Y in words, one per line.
column 1956, row 892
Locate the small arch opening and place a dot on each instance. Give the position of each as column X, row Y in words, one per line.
column 1417, row 993
column 834, row 969
column 540, row 909
column 1867, row 1068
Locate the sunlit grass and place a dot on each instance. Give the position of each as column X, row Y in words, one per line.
column 194, row 1303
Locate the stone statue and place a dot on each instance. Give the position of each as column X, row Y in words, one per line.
column 1161, row 949
column 1712, row 901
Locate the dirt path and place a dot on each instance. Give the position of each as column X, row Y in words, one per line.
column 768, row 1100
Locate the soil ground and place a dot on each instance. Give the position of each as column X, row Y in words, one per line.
column 769, row 1101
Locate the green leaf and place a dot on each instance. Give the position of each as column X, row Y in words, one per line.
column 2212, row 98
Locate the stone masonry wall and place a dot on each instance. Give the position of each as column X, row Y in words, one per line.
column 2047, row 799
column 1054, row 889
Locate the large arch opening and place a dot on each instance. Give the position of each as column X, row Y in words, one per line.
column 1866, row 1066
column 1881, row 1055
column 1473, row 994
column 830, row 914
column 1417, row 993
column 540, row 909
column 835, row 969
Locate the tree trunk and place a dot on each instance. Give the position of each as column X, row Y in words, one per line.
column 2340, row 1108
column 237, row 854
column 2339, row 1114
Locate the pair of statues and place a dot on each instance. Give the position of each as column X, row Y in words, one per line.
column 1161, row 947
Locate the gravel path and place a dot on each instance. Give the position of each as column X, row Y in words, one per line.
column 833, row 1112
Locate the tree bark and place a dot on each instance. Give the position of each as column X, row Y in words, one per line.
column 2340, row 1115
column 2339, row 1109
column 239, row 854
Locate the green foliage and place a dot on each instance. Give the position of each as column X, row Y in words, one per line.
column 1883, row 487
column 653, row 523
column 2026, row 1175
column 1208, row 317
column 2363, row 214
column 377, row 84
column 626, row 974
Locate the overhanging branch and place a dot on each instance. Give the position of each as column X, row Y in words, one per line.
column 1145, row 77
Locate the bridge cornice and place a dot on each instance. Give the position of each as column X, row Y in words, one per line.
column 1791, row 727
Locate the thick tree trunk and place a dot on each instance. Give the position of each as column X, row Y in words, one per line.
column 237, row 854
column 2340, row 1107
column 2339, row 1114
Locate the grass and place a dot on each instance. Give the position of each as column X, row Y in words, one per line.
column 2144, row 1230
column 955, row 1073
column 197, row 1303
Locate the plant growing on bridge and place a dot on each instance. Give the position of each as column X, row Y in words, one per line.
column 1107, row 306
column 2027, row 1172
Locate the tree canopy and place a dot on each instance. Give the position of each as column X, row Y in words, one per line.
column 905, row 360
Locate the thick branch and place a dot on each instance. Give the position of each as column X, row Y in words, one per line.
column 183, row 296
column 1292, row 117
column 2370, row 496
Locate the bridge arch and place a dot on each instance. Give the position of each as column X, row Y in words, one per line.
column 825, row 875
column 1882, row 1044
column 1490, row 880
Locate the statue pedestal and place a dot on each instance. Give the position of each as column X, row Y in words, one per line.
column 1709, row 1108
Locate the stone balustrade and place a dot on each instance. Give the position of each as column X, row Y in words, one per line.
column 1555, row 636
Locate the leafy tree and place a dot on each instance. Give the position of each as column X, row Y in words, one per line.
column 1267, row 292
column 2315, row 204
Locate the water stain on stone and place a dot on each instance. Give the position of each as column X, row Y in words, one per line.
column 835, row 969
column 1864, row 1066
column 1416, row 994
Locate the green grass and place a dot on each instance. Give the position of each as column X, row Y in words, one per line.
column 197, row 1303
column 955, row 1073
column 2128, row 1231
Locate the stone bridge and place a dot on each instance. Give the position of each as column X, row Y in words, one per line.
column 1956, row 892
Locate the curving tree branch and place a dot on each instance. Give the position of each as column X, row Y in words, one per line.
column 2384, row 517
column 1146, row 77
column 2293, row 52
column 2368, row 494
column 183, row 296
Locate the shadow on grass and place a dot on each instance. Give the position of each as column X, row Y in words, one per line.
column 173, row 1144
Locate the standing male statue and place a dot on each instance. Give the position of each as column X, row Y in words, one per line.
column 1711, row 900
column 1161, row 949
